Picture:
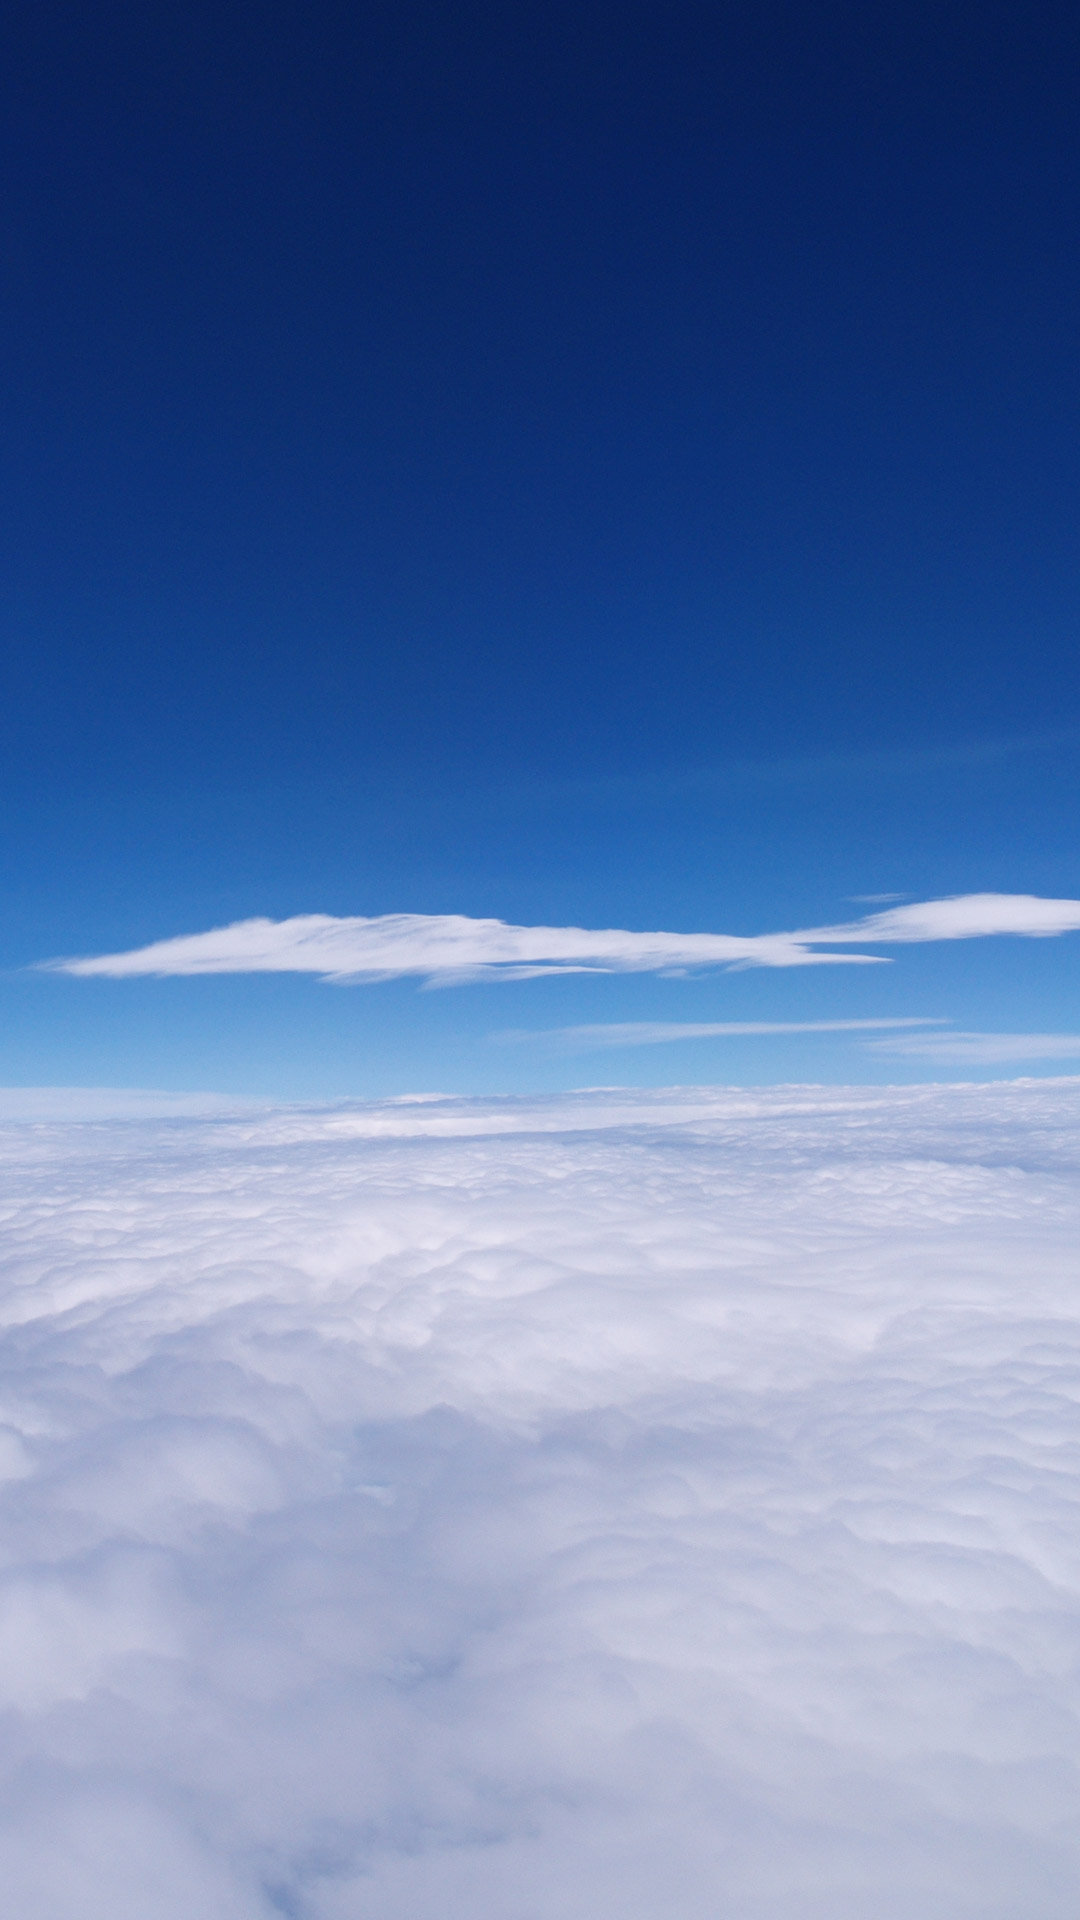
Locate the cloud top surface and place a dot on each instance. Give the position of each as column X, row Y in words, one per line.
column 630, row 1502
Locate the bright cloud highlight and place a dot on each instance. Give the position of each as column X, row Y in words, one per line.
column 627, row 1503
column 447, row 948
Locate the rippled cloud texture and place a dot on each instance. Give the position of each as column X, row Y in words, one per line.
column 631, row 1504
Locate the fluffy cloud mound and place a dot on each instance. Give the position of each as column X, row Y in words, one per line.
column 631, row 1504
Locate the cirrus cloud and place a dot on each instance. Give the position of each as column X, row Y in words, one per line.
column 982, row 1049
column 449, row 948
column 653, row 1033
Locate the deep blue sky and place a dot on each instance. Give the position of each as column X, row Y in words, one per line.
column 599, row 464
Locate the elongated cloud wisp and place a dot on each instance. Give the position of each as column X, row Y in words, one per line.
column 655, row 1033
column 981, row 1049
column 448, row 948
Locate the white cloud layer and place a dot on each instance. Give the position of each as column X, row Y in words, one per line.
column 630, row 1503
column 654, row 1033
column 451, row 947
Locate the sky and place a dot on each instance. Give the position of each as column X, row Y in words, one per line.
column 646, row 1502
column 606, row 470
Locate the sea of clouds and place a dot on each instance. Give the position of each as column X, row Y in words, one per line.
column 631, row 1504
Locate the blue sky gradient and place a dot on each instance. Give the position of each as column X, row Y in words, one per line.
column 586, row 466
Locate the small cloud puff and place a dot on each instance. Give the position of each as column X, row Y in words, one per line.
column 627, row 1503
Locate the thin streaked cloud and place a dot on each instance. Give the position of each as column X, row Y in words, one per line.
column 981, row 1049
column 652, row 1033
column 449, row 948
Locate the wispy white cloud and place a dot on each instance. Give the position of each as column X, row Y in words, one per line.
column 439, row 947
column 447, row 948
column 982, row 1049
column 964, row 916
column 627, row 1503
column 652, row 1033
